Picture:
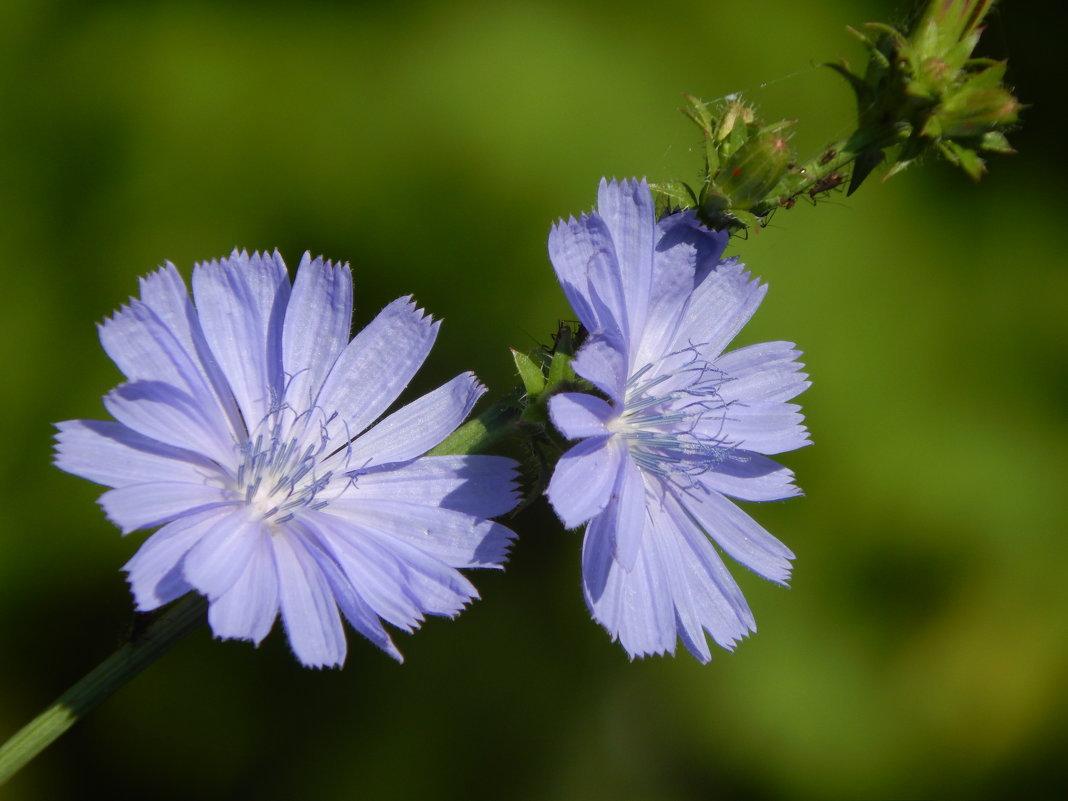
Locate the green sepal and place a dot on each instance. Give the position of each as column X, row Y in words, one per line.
column 862, row 167
column 995, row 142
column 964, row 157
column 532, row 376
column 560, row 369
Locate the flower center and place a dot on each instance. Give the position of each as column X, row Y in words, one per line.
column 280, row 469
column 673, row 419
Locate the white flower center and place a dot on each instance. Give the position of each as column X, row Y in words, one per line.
column 673, row 422
column 280, row 471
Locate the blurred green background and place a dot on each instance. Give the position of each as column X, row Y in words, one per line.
column 922, row 650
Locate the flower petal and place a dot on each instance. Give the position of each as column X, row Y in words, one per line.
column 739, row 535
column 628, row 508
column 627, row 209
column 248, row 609
column 577, row 415
column 376, row 366
column 573, row 245
column 399, row 581
column 165, row 293
column 241, row 302
column 584, row 478
column 306, row 597
column 317, row 325
column 215, row 563
column 416, row 428
column 717, row 600
column 604, row 365
column 154, row 572
column 166, row 413
column 767, row 428
column 749, row 476
column 482, row 486
column 111, row 454
column 768, row 371
column 156, row 502
column 457, row 539
column 718, row 309
column 633, row 605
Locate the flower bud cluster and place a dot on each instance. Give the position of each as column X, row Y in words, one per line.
column 918, row 93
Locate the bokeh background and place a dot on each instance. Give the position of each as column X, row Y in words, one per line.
column 922, row 650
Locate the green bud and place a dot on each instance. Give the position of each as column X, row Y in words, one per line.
column 973, row 113
column 751, row 173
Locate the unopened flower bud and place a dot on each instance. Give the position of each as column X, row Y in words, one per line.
column 755, row 169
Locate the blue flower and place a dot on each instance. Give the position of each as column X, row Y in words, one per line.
column 246, row 431
column 684, row 426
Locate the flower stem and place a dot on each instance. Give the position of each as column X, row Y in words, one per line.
column 96, row 686
column 474, row 436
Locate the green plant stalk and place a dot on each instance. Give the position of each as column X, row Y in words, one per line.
column 474, row 436
column 181, row 619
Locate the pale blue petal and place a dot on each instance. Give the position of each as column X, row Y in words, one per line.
column 648, row 622
column 671, row 292
column 361, row 616
column 666, row 540
column 144, row 348
column 241, row 302
column 147, row 349
column 704, row 246
column 718, row 309
column 482, row 486
column 739, row 535
column 767, row 428
column 111, row 454
column 372, row 571
column 722, row 607
column 306, row 598
column 700, row 583
column 627, row 209
column 598, row 559
column 157, row 502
column 317, row 325
column 577, row 415
column 604, row 365
column 768, row 371
column 248, row 609
column 457, row 539
column 165, row 293
column 321, row 530
column 749, row 476
column 399, row 581
column 154, row 572
column 633, row 605
column 376, row 366
column 573, row 245
column 584, row 479
column 607, row 298
column 628, row 507
column 215, row 563
column 167, row 414
column 416, row 428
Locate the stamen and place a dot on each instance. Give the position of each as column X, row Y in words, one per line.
column 666, row 431
column 278, row 474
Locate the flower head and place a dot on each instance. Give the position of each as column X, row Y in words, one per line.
column 246, row 431
column 683, row 426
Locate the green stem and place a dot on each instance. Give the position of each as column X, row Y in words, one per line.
column 96, row 686
column 474, row 436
